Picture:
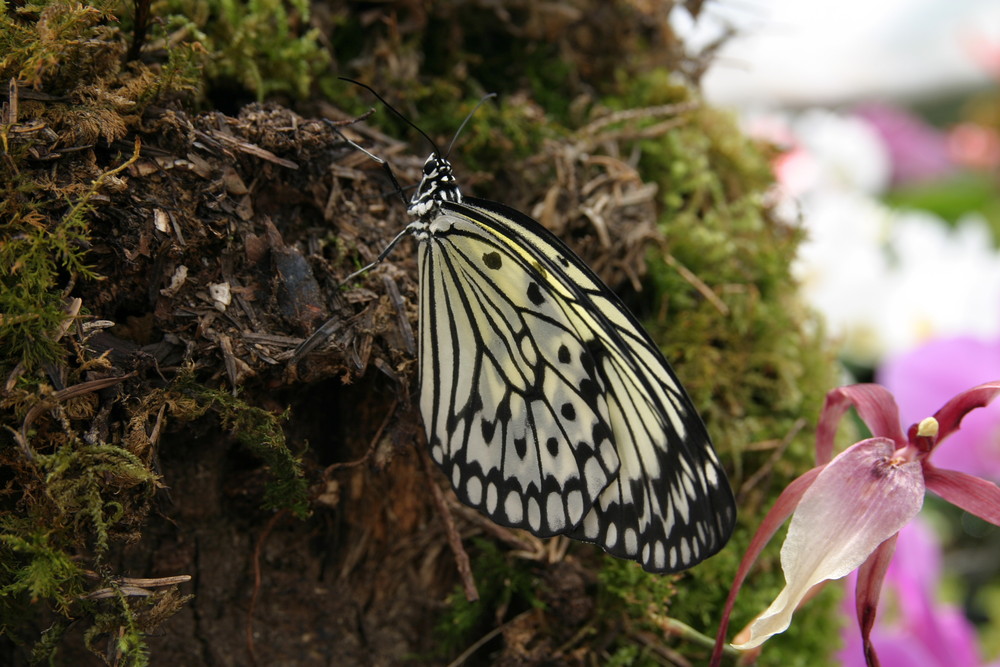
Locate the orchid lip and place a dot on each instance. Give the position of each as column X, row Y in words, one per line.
column 858, row 501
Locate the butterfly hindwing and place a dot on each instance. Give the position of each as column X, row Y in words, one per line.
column 548, row 405
column 669, row 506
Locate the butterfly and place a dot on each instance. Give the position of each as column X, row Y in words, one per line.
column 545, row 403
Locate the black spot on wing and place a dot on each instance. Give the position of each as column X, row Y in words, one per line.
column 492, row 260
column 489, row 429
column 638, row 490
column 521, row 447
column 564, row 356
column 589, row 390
column 553, row 446
column 535, row 294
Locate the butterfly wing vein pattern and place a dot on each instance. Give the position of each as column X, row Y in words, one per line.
column 546, row 404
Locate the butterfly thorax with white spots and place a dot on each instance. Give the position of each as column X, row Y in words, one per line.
column 437, row 185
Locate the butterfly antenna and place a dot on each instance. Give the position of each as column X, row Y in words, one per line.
column 393, row 110
column 465, row 122
column 385, row 165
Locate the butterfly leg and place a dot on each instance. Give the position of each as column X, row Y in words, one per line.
column 381, row 161
column 395, row 184
column 378, row 260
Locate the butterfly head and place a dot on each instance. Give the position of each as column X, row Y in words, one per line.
column 437, row 185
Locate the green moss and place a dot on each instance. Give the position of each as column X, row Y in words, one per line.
column 503, row 583
column 58, row 49
column 73, row 53
column 89, row 485
column 266, row 46
column 80, row 499
column 118, row 623
column 629, row 589
column 35, row 567
column 260, row 432
column 501, row 133
column 32, row 307
column 71, row 498
column 35, row 256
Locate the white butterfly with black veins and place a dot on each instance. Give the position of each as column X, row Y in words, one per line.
column 545, row 402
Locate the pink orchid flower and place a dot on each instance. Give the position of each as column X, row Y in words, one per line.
column 849, row 510
column 924, row 631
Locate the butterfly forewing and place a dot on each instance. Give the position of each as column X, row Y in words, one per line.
column 509, row 416
column 548, row 405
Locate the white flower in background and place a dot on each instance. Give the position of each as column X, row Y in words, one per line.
column 847, row 153
column 843, row 269
column 884, row 279
column 823, row 152
column 945, row 282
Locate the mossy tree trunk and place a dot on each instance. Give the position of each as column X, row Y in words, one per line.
column 184, row 485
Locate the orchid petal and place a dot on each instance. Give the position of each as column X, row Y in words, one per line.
column 869, row 590
column 925, row 378
column 876, row 407
column 861, row 499
column 950, row 416
column 971, row 493
column 783, row 508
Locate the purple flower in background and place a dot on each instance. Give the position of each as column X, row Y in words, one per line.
column 920, row 632
column 927, row 376
column 847, row 512
column 917, row 151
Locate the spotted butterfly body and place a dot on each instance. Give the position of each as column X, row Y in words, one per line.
column 545, row 403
